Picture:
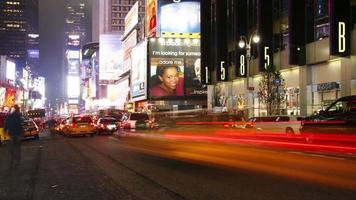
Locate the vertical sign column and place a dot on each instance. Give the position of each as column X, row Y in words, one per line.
column 297, row 29
column 241, row 24
column 340, row 30
column 221, row 40
column 265, row 30
column 205, row 16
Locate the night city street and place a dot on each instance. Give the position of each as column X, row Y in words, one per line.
column 132, row 166
column 178, row 99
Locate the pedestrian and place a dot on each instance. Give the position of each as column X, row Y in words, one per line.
column 13, row 126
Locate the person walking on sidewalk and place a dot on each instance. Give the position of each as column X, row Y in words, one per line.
column 13, row 126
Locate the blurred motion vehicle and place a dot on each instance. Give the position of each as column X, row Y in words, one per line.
column 106, row 125
column 3, row 136
column 281, row 124
column 38, row 116
column 78, row 125
column 137, row 121
column 59, row 125
column 338, row 118
column 30, row 129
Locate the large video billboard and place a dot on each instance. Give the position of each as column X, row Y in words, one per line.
column 73, row 86
column 10, row 70
column 174, row 68
column 139, row 72
column 188, row 13
column 110, row 58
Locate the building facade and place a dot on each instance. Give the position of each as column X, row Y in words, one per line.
column 108, row 16
column 77, row 26
column 314, row 54
column 19, row 34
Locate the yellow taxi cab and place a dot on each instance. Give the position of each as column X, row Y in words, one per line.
column 3, row 136
column 30, row 129
column 79, row 125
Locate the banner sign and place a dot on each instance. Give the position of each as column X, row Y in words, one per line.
column 265, row 30
column 340, row 27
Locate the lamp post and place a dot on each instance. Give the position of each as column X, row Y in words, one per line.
column 245, row 42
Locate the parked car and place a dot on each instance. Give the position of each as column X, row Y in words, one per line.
column 30, row 129
column 137, row 121
column 280, row 124
column 78, row 125
column 107, row 125
column 338, row 118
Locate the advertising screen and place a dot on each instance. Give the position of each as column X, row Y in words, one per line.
column 110, row 58
column 10, row 97
column 151, row 18
column 73, row 66
column 73, row 54
column 174, row 69
column 139, row 71
column 10, row 70
column 131, row 18
column 73, row 86
column 188, row 12
column 33, row 53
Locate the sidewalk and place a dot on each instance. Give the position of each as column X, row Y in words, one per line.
column 19, row 182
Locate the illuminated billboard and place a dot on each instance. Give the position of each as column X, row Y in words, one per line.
column 188, row 12
column 73, row 66
column 10, row 70
column 151, row 18
column 10, row 97
column 139, row 71
column 131, row 18
column 33, row 53
column 110, row 58
column 174, row 69
column 73, row 86
column 73, row 54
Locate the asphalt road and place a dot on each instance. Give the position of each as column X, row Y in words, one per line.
column 109, row 167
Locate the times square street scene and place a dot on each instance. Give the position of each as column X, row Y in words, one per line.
column 178, row 99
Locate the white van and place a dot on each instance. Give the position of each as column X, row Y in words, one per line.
column 281, row 124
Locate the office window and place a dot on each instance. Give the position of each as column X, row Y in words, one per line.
column 322, row 28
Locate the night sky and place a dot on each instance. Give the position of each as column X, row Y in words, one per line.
column 51, row 18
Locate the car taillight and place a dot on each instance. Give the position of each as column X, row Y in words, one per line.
column 102, row 125
column 72, row 125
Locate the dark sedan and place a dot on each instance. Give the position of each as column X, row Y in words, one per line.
column 338, row 121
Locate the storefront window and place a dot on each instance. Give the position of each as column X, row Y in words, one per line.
column 323, row 95
column 292, row 101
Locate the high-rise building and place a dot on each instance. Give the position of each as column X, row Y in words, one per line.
column 76, row 35
column 19, row 31
column 109, row 15
column 75, row 18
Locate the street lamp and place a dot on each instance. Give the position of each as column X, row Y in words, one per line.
column 246, row 43
column 255, row 38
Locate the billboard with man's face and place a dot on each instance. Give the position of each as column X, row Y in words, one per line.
column 174, row 68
